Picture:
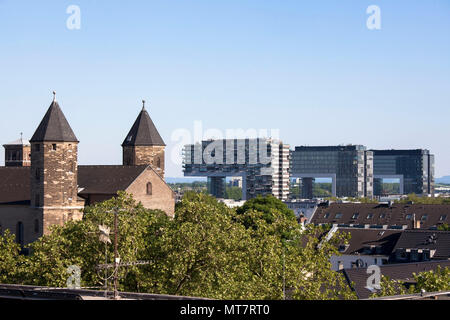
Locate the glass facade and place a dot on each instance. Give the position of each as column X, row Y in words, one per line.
column 415, row 167
column 350, row 166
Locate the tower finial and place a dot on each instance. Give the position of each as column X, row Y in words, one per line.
column 21, row 136
column 54, row 95
column 143, row 104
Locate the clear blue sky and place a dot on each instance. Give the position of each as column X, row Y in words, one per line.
column 309, row 68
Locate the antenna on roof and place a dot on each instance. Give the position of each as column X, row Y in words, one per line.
column 54, row 95
column 143, row 105
column 21, row 136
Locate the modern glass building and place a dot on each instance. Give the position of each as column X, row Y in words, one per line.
column 262, row 163
column 350, row 168
column 414, row 169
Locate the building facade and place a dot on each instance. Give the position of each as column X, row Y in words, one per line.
column 349, row 167
column 414, row 169
column 262, row 163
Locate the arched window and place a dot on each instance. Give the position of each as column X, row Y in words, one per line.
column 36, row 225
column 158, row 163
column 19, row 233
column 149, row 188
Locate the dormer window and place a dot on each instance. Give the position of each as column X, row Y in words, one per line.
column 408, row 216
column 355, row 216
column 129, row 138
column 443, row 217
column 424, row 217
column 338, row 215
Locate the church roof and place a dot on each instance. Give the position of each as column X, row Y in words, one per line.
column 99, row 179
column 54, row 127
column 143, row 132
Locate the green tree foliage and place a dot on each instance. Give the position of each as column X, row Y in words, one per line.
column 234, row 193
column 267, row 206
column 207, row 250
column 11, row 262
column 424, row 200
column 444, row 227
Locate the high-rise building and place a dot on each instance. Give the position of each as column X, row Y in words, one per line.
column 262, row 163
column 349, row 167
column 413, row 168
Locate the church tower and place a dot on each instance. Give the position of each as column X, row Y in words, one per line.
column 54, row 170
column 143, row 145
column 18, row 153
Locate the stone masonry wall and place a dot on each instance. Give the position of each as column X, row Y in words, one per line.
column 145, row 155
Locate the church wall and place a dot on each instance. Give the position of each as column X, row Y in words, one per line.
column 162, row 197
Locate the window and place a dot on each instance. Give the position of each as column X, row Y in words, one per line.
column 36, row 226
column 149, row 188
column 326, row 215
column 382, row 216
column 158, row 163
column 338, row 215
column 424, row 217
column 355, row 216
column 443, row 217
column 408, row 216
column 369, row 216
column 37, row 174
column 54, row 147
column 19, row 233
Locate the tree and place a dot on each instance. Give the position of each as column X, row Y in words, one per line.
column 11, row 262
column 266, row 205
column 205, row 251
column 77, row 243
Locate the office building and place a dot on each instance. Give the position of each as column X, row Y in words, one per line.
column 262, row 163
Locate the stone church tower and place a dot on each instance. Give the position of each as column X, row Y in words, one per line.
column 143, row 145
column 54, row 170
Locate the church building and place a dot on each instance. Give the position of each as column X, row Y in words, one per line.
column 42, row 184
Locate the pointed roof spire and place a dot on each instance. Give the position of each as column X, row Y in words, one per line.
column 54, row 126
column 143, row 132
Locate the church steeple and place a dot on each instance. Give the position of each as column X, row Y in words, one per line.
column 143, row 144
column 54, row 170
column 54, row 127
column 143, row 132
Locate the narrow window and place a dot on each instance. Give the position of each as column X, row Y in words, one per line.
column 19, row 233
column 54, row 147
column 149, row 188
column 158, row 163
